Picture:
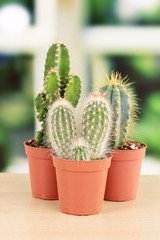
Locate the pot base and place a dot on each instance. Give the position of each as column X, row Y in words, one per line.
column 45, row 197
column 117, row 199
column 80, row 212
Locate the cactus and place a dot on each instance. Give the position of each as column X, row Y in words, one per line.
column 61, row 127
column 80, row 151
column 58, row 58
column 58, row 83
column 118, row 92
column 96, row 124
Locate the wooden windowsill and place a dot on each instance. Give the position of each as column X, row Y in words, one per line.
column 23, row 217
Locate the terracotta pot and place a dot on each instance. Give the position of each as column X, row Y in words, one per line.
column 81, row 185
column 42, row 172
column 123, row 175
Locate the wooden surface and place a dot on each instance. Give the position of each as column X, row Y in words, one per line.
column 24, row 217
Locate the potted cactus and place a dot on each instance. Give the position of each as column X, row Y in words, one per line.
column 123, row 176
column 58, row 83
column 80, row 161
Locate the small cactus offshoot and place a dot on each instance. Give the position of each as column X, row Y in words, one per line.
column 80, row 150
column 58, row 83
column 124, row 106
column 96, row 125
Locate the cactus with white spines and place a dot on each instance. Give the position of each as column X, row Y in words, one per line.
column 124, row 107
column 96, row 124
column 80, row 150
column 58, row 83
column 61, row 127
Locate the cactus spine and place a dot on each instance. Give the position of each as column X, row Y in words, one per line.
column 118, row 92
column 61, row 127
column 96, row 124
column 57, row 83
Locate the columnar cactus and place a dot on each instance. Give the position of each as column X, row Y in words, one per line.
column 80, row 151
column 58, row 83
column 58, row 58
column 96, row 124
column 118, row 92
column 61, row 127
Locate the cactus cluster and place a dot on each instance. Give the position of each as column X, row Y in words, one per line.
column 106, row 117
column 118, row 92
column 96, row 125
column 58, row 83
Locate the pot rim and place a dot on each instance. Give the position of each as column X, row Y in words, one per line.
column 81, row 166
column 112, row 151
column 128, row 155
column 28, row 141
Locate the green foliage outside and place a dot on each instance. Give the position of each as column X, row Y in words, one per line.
column 102, row 12
column 16, row 104
column 148, row 127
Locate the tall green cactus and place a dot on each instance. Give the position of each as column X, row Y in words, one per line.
column 58, row 83
column 118, row 92
column 61, row 127
column 96, row 124
column 58, row 58
column 80, row 151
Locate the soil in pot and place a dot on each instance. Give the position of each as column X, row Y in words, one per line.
column 81, row 185
column 42, row 172
column 123, row 175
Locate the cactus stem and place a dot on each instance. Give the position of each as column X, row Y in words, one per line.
column 124, row 104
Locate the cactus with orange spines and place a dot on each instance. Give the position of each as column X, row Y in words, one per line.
column 124, row 106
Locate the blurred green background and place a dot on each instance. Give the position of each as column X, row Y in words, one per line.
column 17, row 76
column 123, row 12
column 16, row 105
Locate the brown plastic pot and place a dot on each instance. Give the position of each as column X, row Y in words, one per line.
column 123, row 175
column 42, row 172
column 81, row 185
